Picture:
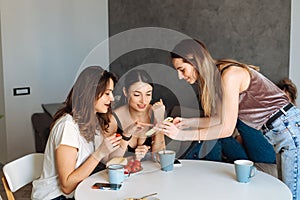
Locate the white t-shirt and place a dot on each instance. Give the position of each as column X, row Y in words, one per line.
column 66, row 132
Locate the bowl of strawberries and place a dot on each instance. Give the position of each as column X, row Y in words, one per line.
column 133, row 166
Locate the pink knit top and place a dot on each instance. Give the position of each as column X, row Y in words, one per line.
column 261, row 99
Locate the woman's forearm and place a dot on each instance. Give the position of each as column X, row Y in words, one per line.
column 120, row 151
column 211, row 133
column 203, row 122
column 70, row 177
column 159, row 142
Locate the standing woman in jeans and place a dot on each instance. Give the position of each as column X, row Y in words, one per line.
column 232, row 90
column 71, row 155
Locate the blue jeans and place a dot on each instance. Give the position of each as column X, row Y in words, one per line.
column 285, row 137
column 225, row 149
column 256, row 146
column 206, row 150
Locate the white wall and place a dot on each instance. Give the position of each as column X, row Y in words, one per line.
column 43, row 46
column 2, row 124
column 295, row 46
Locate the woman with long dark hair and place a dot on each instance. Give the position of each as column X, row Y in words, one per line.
column 135, row 101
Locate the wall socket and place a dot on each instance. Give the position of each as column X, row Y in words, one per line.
column 21, row 91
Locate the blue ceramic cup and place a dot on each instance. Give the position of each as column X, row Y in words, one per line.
column 244, row 170
column 166, row 159
column 116, row 173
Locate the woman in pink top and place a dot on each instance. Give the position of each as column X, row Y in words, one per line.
column 232, row 90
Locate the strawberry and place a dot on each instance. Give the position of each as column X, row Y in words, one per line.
column 136, row 168
column 118, row 135
column 137, row 163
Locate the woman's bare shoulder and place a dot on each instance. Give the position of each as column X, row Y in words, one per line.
column 237, row 77
column 235, row 72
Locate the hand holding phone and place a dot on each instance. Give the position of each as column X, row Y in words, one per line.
column 153, row 130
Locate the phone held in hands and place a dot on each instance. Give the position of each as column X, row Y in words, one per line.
column 168, row 119
column 106, row 186
column 153, row 130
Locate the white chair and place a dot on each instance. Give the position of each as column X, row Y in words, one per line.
column 20, row 172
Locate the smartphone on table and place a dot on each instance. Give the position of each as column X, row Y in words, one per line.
column 106, row 186
column 177, row 163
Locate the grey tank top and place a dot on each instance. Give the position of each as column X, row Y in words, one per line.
column 260, row 101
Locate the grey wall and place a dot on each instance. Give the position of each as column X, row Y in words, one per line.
column 252, row 31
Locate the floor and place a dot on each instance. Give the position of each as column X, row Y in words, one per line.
column 22, row 194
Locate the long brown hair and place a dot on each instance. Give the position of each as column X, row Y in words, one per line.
column 80, row 103
column 195, row 53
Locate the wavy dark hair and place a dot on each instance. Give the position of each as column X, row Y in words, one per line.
column 288, row 86
column 131, row 77
column 80, row 103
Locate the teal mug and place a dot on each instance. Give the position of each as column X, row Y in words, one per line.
column 166, row 160
column 116, row 173
column 244, row 170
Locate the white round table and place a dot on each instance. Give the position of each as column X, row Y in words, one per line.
column 203, row 180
